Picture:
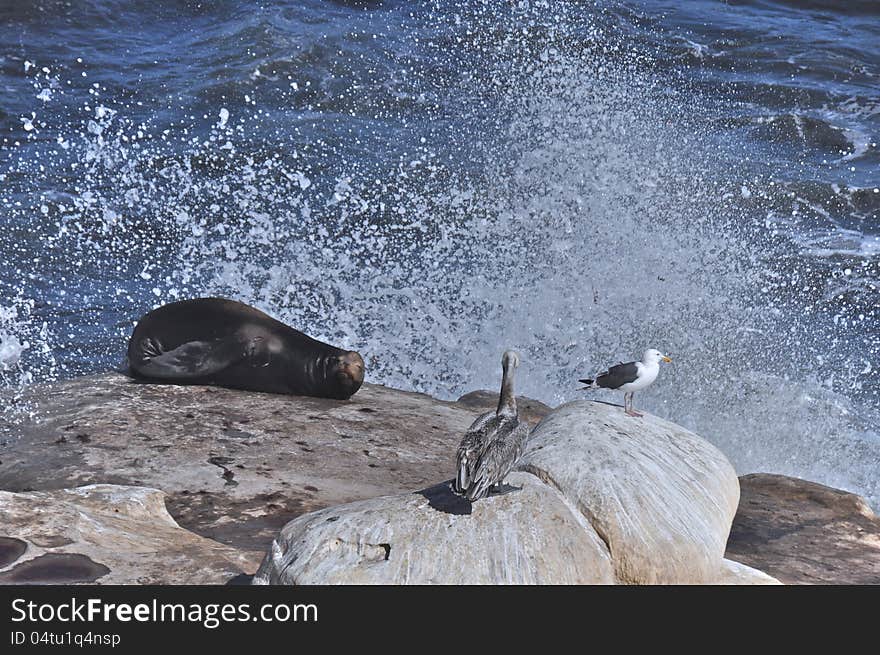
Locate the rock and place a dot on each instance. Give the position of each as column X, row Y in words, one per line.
column 604, row 499
column 530, row 410
column 433, row 536
column 107, row 534
column 734, row 573
column 661, row 497
column 802, row 532
column 235, row 465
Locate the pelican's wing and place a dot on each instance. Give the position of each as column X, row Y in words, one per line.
column 481, row 421
column 469, row 450
column 498, row 459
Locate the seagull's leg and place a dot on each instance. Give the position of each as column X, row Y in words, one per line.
column 631, row 411
column 627, row 404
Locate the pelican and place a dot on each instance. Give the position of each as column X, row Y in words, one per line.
column 630, row 377
column 494, row 441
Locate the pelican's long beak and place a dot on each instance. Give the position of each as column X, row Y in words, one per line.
column 666, row 359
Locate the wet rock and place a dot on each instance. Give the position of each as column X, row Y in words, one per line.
column 10, row 550
column 805, row 533
column 55, row 568
column 109, row 534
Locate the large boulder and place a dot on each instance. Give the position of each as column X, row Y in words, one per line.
column 605, row 498
column 661, row 497
column 433, row 536
column 805, row 533
column 107, row 534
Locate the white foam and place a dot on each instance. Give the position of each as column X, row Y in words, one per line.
column 10, row 351
column 593, row 230
column 24, row 347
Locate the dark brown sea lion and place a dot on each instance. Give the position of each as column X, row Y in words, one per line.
column 230, row 344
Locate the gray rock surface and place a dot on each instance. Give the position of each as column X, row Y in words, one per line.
column 529, row 536
column 605, row 498
column 805, row 533
column 107, row 534
column 735, row 573
column 661, row 497
column 235, row 465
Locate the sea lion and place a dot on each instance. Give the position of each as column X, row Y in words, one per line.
column 229, row 344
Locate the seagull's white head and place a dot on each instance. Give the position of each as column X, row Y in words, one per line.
column 653, row 356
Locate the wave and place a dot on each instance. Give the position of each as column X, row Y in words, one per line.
column 854, row 8
column 806, row 130
column 555, row 188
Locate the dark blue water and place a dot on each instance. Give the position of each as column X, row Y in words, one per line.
column 432, row 183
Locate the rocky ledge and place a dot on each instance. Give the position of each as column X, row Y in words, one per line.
column 805, row 533
column 107, row 533
column 193, row 484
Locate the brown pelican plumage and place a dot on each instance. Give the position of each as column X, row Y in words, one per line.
column 493, row 443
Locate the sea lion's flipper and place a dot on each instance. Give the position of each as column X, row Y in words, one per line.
column 257, row 352
column 194, row 359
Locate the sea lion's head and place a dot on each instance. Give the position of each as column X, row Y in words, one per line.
column 346, row 374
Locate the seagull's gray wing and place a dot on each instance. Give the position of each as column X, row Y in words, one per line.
column 617, row 376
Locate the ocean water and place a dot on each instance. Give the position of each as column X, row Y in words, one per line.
column 431, row 183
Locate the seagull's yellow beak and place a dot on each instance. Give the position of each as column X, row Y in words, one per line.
column 666, row 359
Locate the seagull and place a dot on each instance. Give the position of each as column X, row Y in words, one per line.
column 630, row 377
column 493, row 443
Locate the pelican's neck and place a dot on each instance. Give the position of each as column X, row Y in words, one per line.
column 507, row 400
